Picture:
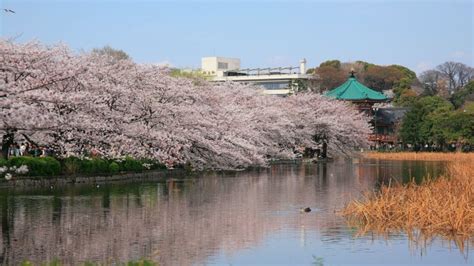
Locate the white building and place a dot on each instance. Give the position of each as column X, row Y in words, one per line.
column 216, row 66
column 276, row 81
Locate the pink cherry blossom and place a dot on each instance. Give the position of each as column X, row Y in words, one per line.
column 77, row 103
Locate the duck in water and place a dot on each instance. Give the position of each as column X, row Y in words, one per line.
column 307, row 209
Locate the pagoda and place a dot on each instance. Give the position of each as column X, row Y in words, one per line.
column 357, row 93
column 364, row 98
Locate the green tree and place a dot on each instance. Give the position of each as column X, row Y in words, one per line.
column 406, row 72
column 467, row 93
column 431, row 127
column 418, row 126
column 457, row 126
column 407, row 98
column 331, row 63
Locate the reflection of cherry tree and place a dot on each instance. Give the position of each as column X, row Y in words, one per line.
column 179, row 223
column 117, row 107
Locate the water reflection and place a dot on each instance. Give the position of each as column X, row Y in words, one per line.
column 400, row 171
column 196, row 220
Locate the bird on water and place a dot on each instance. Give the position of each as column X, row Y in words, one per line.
column 307, row 209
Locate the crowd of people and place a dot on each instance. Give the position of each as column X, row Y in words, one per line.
column 28, row 149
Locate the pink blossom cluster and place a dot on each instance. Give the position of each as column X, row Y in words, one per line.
column 119, row 108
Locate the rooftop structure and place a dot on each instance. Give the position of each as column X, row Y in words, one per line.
column 275, row 81
column 385, row 121
column 216, row 66
column 353, row 90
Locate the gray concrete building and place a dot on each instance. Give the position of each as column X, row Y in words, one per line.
column 275, row 81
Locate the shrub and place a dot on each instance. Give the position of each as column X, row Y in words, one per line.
column 71, row 165
column 114, row 168
column 132, row 165
column 53, row 166
column 94, row 166
column 47, row 166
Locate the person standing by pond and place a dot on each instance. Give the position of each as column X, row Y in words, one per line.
column 22, row 149
column 17, row 149
column 11, row 150
column 44, row 151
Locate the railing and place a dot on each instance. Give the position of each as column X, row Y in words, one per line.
column 382, row 138
column 265, row 71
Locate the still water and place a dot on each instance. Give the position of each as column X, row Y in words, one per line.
column 248, row 217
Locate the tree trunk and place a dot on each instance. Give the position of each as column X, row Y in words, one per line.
column 324, row 150
column 7, row 141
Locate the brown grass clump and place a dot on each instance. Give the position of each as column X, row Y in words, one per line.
column 441, row 207
column 421, row 156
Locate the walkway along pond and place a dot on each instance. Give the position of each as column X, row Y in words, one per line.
column 233, row 218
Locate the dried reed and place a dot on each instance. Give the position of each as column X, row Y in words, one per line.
column 420, row 156
column 440, row 207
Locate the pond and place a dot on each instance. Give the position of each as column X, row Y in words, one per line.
column 250, row 217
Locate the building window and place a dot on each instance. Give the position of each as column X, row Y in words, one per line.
column 275, row 85
column 222, row 65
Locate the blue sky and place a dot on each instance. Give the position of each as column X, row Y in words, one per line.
column 417, row 34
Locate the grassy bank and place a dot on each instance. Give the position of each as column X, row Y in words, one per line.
column 441, row 207
column 16, row 167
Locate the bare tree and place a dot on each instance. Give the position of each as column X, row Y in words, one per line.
column 471, row 74
column 116, row 54
column 449, row 69
column 431, row 81
column 458, row 74
column 465, row 74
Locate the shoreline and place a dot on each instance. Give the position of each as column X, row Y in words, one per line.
column 148, row 175
column 62, row 180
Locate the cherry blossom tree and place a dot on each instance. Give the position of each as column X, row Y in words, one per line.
column 322, row 122
column 78, row 103
column 33, row 81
